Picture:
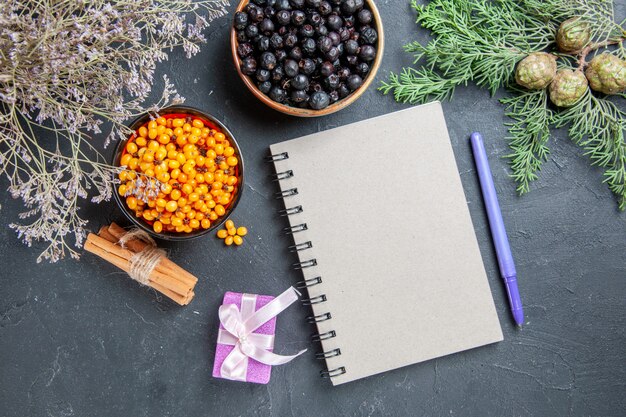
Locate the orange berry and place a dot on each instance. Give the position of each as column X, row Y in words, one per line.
column 131, row 202
column 232, row 231
column 143, row 132
column 131, row 147
column 242, row 231
column 152, row 133
column 222, row 234
column 228, row 241
column 229, row 224
column 205, row 223
column 231, row 161
column 238, row 240
column 175, row 194
column 152, row 124
column 161, row 121
column 157, row 227
column 171, row 206
column 197, row 123
column 220, row 210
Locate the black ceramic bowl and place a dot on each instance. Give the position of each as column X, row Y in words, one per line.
column 210, row 121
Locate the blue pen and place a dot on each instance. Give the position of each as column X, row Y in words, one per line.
column 498, row 233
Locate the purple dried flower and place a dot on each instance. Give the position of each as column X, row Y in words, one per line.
column 68, row 66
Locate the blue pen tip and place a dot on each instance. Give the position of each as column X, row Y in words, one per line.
column 518, row 315
column 476, row 136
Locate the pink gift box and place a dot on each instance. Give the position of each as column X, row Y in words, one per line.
column 257, row 372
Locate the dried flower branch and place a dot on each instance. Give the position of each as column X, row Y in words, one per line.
column 71, row 67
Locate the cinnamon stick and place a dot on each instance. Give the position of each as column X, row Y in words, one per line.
column 159, row 277
column 104, row 246
column 137, row 245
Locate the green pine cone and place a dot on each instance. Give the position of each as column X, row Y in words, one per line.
column 536, row 71
column 607, row 74
column 567, row 87
column 573, row 35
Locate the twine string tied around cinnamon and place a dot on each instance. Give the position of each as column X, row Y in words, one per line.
column 142, row 263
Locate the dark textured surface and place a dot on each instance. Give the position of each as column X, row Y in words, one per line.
column 80, row 339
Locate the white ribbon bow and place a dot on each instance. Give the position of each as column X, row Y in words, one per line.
column 238, row 331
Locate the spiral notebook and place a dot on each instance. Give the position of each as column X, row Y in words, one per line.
column 385, row 243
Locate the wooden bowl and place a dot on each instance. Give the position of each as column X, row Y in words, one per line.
column 338, row 105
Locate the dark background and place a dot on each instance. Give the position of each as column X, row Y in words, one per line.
column 81, row 339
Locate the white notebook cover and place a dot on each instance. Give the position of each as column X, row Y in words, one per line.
column 393, row 239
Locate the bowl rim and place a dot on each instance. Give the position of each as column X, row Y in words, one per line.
column 169, row 236
column 300, row 112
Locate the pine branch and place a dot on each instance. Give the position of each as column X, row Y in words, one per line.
column 529, row 133
column 597, row 125
column 476, row 40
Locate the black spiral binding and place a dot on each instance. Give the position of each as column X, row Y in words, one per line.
column 305, row 283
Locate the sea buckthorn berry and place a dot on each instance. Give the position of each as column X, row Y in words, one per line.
column 190, row 163
column 131, row 202
column 242, row 231
column 153, row 145
column 166, row 188
column 131, row 147
column 125, row 159
column 171, row 206
column 222, row 234
column 237, row 240
column 228, row 241
column 187, row 189
column 229, row 224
